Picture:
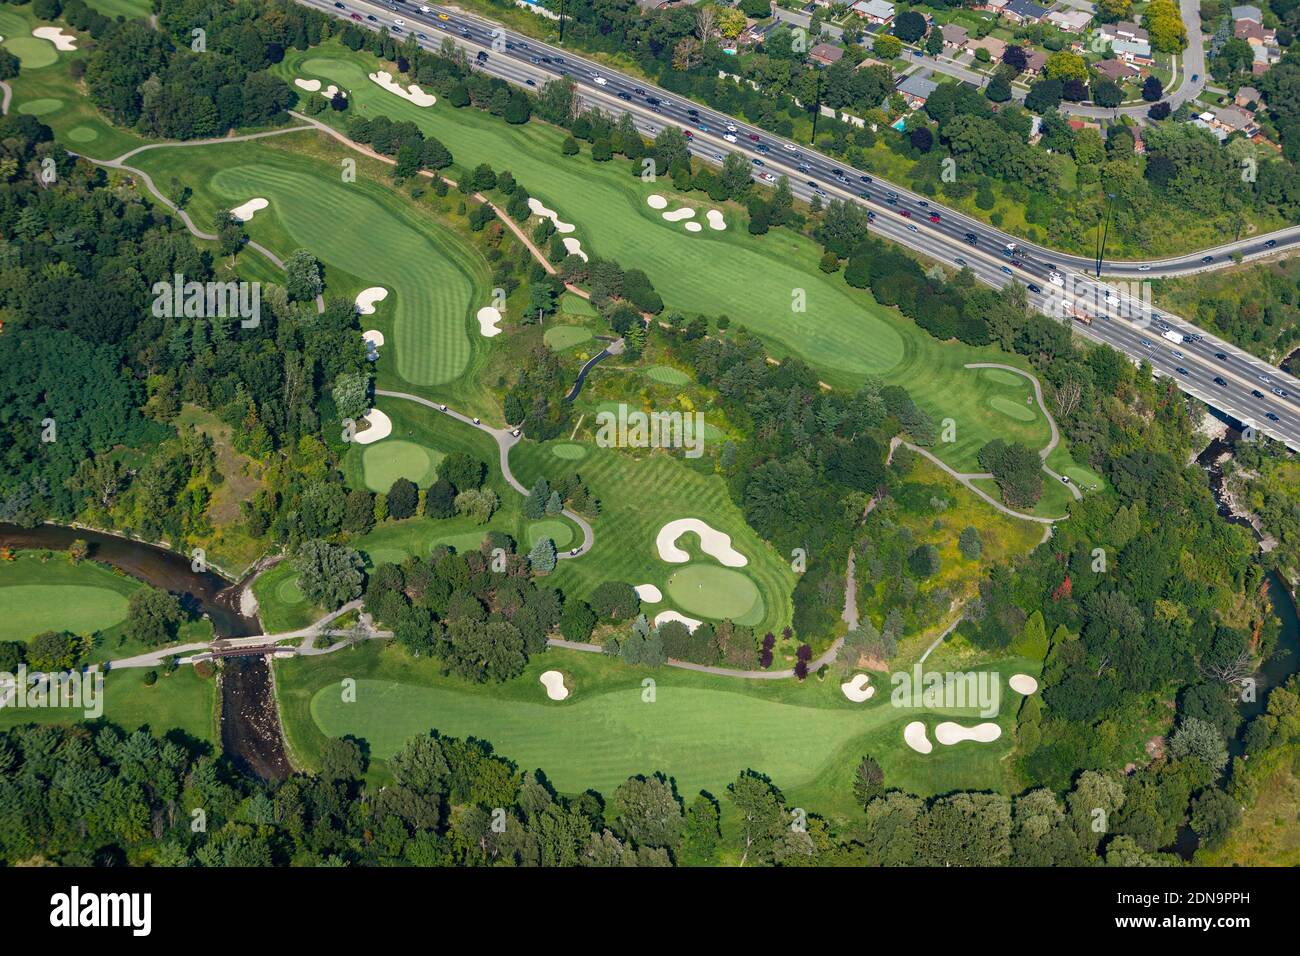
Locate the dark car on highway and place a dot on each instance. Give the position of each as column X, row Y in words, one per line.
column 1256, row 393
column 1220, row 382
column 1271, row 417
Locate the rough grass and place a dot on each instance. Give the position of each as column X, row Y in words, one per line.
column 280, row 602
column 56, row 595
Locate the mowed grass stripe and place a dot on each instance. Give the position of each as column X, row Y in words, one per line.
column 431, row 295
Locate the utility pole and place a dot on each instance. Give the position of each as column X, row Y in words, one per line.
column 561, row 21
column 1101, row 245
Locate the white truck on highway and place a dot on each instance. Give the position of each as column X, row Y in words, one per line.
column 1173, row 335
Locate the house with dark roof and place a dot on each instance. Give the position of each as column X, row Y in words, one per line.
column 954, row 36
column 916, row 89
column 1116, row 70
column 1024, row 11
column 826, row 54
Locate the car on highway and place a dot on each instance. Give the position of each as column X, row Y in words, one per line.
column 960, row 261
column 399, row 22
column 626, row 97
column 372, row 18
column 422, row 36
column 768, row 178
column 481, row 56
column 1220, row 382
column 530, row 82
column 703, row 128
column 923, row 203
column 1265, row 379
column 1221, row 356
column 866, row 179
column 601, row 81
column 1147, row 343
column 812, row 184
column 1271, row 417
column 935, row 217
column 1269, row 244
column 789, row 147
column 559, row 59
column 973, row 239
column 763, row 148
column 729, row 137
column 1019, row 263
column 638, row 91
column 443, row 17
column 692, row 112
column 905, row 213
column 756, row 161
column 871, row 216
column 1205, row 259
column 912, row 227
column 397, row 29
column 1037, row 290
column 339, row 5
column 1256, row 393
column 1057, row 279
column 1144, row 268
column 1281, row 392
column 1007, row 270
column 1178, row 354
column 753, row 137
column 1195, row 77
column 866, row 195
column 356, row 16
column 731, row 128
column 1181, row 371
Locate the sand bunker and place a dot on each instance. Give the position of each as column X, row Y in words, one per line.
column 665, row 616
column 539, row 210
column 1023, row 684
column 411, row 92
column 381, row 426
column 949, row 733
column 311, row 86
column 677, row 215
column 715, row 220
column 712, row 542
column 694, row 227
column 249, row 209
column 648, row 593
column 61, row 40
column 656, row 201
column 858, row 688
column 374, row 340
column 488, row 317
column 553, row 681
column 914, row 735
column 367, row 298
column 574, row 246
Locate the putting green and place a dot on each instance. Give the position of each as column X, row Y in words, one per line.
column 289, row 592
column 29, row 609
column 32, row 52
column 569, row 452
column 552, row 528
column 347, row 228
column 461, row 543
column 1002, row 376
column 561, row 337
column 1013, row 409
column 714, row 592
column 41, row 107
column 83, row 134
column 386, row 461
column 380, row 556
column 667, row 375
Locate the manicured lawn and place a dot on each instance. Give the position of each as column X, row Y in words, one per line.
column 280, row 602
column 44, row 87
column 701, row 730
column 561, row 337
column 363, row 234
column 131, row 9
column 57, row 595
column 639, row 496
column 391, row 458
column 182, row 701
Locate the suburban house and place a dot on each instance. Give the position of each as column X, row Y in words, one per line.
column 916, row 89
column 1139, row 144
column 874, row 11
column 826, row 54
column 1256, row 34
column 1078, row 124
column 1231, row 119
column 1246, row 97
column 1116, row 70
column 955, row 36
column 1035, row 62
column 1247, row 12
column 994, row 6
column 1265, row 56
column 1071, row 21
column 995, row 47
column 1133, row 51
column 1024, row 11
column 1124, row 30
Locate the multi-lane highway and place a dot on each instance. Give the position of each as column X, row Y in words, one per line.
column 1212, row 370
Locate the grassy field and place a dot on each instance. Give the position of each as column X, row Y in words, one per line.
column 700, row 729
column 639, row 496
column 1268, row 834
column 844, row 333
column 362, row 234
column 182, row 701
column 131, row 9
column 44, row 591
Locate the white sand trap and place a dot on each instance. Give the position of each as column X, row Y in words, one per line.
column 649, row 593
column 411, row 92
column 488, row 317
column 539, row 210
column 1023, row 684
column 373, row 337
column 367, row 298
column 553, row 681
column 858, row 689
column 381, row 426
column 311, row 86
column 656, row 201
column 249, row 209
column 61, row 40
column 694, row 227
column 914, row 735
column 949, row 733
column 677, row 215
column 712, row 542
column 664, row 616
column 715, row 220
column 574, row 246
